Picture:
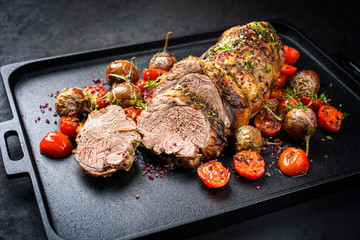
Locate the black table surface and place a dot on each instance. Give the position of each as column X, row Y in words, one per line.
column 37, row 29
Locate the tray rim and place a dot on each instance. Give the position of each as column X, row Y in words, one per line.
column 8, row 70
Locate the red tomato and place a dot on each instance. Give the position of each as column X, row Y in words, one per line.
column 141, row 84
column 249, row 164
column 288, row 70
column 280, row 82
column 290, row 102
column 131, row 112
column 273, row 104
column 291, row 55
column 152, row 74
column 68, row 126
column 267, row 124
column 330, row 118
column 213, row 174
column 55, row 144
column 278, row 93
column 293, row 161
column 315, row 104
column 97, row 93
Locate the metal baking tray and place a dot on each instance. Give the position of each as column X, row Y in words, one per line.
column 74, row 205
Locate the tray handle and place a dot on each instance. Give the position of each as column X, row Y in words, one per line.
column 13, row 147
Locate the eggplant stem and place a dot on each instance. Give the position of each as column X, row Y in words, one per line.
column 307, row 140
column 166, row 41
column 274, row 143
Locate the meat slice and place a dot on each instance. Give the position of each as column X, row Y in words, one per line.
column 180, row 127
column 107, row 142
column 251, row 56
column 188, row 73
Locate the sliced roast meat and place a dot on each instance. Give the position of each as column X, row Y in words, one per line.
column 188, row 73
column 181, row 128
column 107, row 142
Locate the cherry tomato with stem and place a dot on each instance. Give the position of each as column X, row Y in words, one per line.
column 55, row 144
column 288, row 70
column 291, row 55
column 97, row 95
column 213, row 174
column 293, row 162
column 68, row 126
column 249, row 164
column 329, row 118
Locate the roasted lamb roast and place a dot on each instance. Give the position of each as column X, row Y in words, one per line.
column 107, row 142
column 201, row 101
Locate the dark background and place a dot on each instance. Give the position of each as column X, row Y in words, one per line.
column 37, row 29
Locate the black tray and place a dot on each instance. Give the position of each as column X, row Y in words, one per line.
column 74, row 205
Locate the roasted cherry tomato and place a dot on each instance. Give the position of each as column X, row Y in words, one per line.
column 249, row 164
column 291, row 55
column 280, row 82
column 68, row 126
column 286, row 105
column 152, row 74
column 141, row 84
column 267, row 123
column 329, row 118
column 55, row 144
column 213, row 174
column 131, row 112
column 293, row 161
column 273, row 104
column 278, row 93
column 313, row 103
column 288, row 70
column 97, row 95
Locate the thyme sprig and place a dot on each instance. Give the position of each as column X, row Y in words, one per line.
column 138, row 103
column 153, row 83
column 268, row 109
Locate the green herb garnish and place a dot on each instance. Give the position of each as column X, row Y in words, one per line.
column 329, row 138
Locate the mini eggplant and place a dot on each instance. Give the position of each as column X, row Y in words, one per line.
column 307, row 82
column 121, row 71
column 163, row 60
column 125, row 95
column 300, row 124
column 248, row 137
column 72, row 101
